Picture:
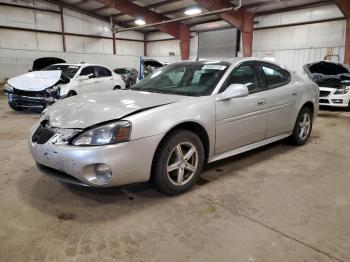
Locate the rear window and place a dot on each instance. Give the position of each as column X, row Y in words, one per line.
column 275, row 76
column 102, row 71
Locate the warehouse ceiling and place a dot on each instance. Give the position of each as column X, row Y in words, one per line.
column 175, row 9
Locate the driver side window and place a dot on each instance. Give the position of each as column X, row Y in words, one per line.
column 247, row 75
column 89, row 70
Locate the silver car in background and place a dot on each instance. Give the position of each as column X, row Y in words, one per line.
column 169, row 125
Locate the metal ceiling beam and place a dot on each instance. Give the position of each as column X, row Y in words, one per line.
column 153, row 6
column 175, row 29
column 171, row 12
column 295, row 8
column 79, row 2
column 344, row 6
column 99, row 9
column 67, row 6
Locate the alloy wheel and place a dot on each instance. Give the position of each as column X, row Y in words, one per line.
column 182, row 163
column 304, row 126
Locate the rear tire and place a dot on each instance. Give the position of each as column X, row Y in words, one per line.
column 178, row 162
column 303, row 127
column 117, row 88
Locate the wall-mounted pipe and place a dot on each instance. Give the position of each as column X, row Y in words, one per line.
column 238, row 6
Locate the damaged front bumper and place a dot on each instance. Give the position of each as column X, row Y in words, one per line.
column 77, row 164
column 38, row 100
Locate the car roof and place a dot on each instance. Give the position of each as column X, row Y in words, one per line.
column 80, row 64
column 234, row 60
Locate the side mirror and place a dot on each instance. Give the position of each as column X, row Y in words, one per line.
column 233, row 91
column 87, row 77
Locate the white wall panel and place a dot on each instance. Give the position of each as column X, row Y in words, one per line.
column 313, row 35
column 47, row 21
column 49, row 42
column 18, row 39
column 299, row 16
column 74, row 44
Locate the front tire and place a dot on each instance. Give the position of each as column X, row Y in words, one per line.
column 303, row 127
column 178, row 163
column 117, row 88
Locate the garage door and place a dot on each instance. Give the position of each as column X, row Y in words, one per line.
column 218, row 43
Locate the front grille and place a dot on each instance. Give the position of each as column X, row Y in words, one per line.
column 29, row 93
column 42, row 134
column 324, row 101
column 324, row 93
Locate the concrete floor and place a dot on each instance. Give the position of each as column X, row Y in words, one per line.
column 279, row 203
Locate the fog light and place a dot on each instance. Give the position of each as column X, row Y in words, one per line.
column 103, row 173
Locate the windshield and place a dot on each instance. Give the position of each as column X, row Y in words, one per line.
column 188, row 78
column 67, row 70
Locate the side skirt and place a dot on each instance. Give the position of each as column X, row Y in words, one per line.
column 247, row 147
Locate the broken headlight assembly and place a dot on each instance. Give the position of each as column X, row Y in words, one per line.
column 342, row 91
column 108, row 134
column 8, row 88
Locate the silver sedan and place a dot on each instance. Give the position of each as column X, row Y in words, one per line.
column 169, row 125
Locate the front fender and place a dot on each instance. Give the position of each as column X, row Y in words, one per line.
column 162, row 119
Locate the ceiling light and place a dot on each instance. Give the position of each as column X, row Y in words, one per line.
column 140, row 22
column 193, row 11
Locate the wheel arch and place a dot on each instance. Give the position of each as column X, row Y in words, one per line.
column 192, row 126
column 309, row 105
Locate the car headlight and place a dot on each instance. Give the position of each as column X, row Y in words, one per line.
column 8, row 88
column 112, row 133
column 342, row 91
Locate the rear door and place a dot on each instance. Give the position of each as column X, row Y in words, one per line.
column 87, row 85
column 242, row 121
column 282, row 98
column 104, row 79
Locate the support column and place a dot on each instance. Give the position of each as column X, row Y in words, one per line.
column 114, row 44
column 184, row 42
column 145, row 44
column 347, row 43
column 247, row 34
column 62, row 29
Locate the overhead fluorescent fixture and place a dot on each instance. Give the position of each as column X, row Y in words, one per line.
column 193, row 11
column 140, row 22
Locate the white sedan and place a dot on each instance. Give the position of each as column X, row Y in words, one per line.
column 333, row 80
column 36, row 90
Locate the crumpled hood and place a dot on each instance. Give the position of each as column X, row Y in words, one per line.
column 35, row 81
column 90, row 109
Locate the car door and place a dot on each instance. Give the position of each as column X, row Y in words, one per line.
column 104, row 79
column 86, row 85
column 242, row 121
column 282, row 99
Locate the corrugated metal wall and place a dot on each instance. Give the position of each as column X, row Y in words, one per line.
column 294, row 46
column 19, row 48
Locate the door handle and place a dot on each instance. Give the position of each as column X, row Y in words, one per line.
column 261, row 102
column 295, row 93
